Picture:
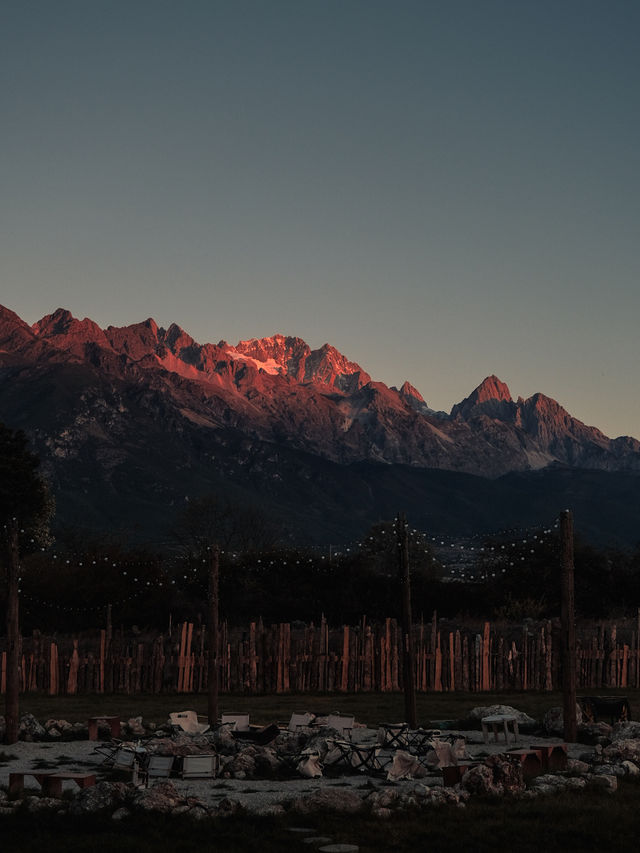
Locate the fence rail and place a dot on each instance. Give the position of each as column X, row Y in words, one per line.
column 286, row 658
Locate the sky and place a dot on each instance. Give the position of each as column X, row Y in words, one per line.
column 441, row 190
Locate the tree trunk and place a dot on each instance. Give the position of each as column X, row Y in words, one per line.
column 12, row 712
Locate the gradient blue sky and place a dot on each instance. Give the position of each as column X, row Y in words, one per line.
column 442, row 190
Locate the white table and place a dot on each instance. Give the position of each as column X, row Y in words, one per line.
column 498, row 723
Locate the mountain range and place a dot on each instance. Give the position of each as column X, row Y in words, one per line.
column 132, row 422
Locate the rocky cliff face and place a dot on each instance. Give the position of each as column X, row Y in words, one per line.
column 279, row 390
column 101, row 404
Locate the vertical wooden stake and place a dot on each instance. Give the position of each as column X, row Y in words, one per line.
column 12, row 713
column 212, row 670
column 568, row 619
column 408, row 669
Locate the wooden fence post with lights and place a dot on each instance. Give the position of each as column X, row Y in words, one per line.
column 569, row 628
column 13, row 651
column 214, row 639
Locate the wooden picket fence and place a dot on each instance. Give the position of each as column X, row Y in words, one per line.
column 316, row 658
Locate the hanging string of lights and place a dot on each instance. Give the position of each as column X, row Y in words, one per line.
column 183, row 573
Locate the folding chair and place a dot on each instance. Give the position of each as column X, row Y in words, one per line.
column 188, row 722
column 395, row 735
column 203, row 766
column 300, row 720
column 358, row 756
column 239, row 721
column 342, row 723
column 157, row 766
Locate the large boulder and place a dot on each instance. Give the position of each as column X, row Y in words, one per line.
column 523, row 720
column 329, row 800
column 554, row 783
column 496, row 777
column 553, row 722
column 30, row 728
column 134, row 727
column 98, row 798
column 242, row 765
column 626, row 731
column 622, row 750
column 162, row 797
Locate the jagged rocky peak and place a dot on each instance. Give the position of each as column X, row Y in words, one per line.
column 410, row 394
column 177, row 339
column 491, row 388
column 66, row 332
column 408, row 390
column 137, row 340
column 277, row 353
column 13, row 328
column 492, row 397
column 293, row 357
column 328, row 366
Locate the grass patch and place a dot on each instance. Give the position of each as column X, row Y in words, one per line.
column 369, row 708
column 566, row 822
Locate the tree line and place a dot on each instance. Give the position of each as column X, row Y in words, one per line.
column 67, row 584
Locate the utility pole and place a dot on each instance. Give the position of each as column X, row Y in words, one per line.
column 402, row 537
column 12, row 712
column 213, row 601
column 568, row 619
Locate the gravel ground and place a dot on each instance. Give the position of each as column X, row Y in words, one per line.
column 255, row 795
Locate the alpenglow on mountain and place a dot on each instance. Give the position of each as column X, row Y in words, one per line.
column 111, row 409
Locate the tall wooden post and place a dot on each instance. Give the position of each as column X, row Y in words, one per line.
column 408, row 658
column 12, row 712
column 568, row 619
column 213, row 638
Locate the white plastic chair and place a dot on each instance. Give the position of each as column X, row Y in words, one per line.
column 188, row 722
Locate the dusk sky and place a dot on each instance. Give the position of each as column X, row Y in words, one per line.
column 442, row 190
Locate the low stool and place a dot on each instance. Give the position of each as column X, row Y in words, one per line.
column 554, row 756
column 453, row 773
column 112, row 721
column 529, row 759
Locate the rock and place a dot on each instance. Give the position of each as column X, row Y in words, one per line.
column 98, row 798
column 121, row 814
column 606, row 783
column 497, row 776
column 576, row 767
column 243, row 765
column 30, row 728
column 267, row 762
column 552, row 783
column 322, row 800
column 135, row 727
column 381, row 813
column 383, row 799
column 631, row 768
column 629, row 730
column 229, row 808
column 162, row 797
column 523, row 719
column 199, row 813
column 80, row 731
column 224, row 741
column 272, row 810
column 553, row 721
column 610, row 770
column 595, row 733
column 623, row 750
column 42, row 804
